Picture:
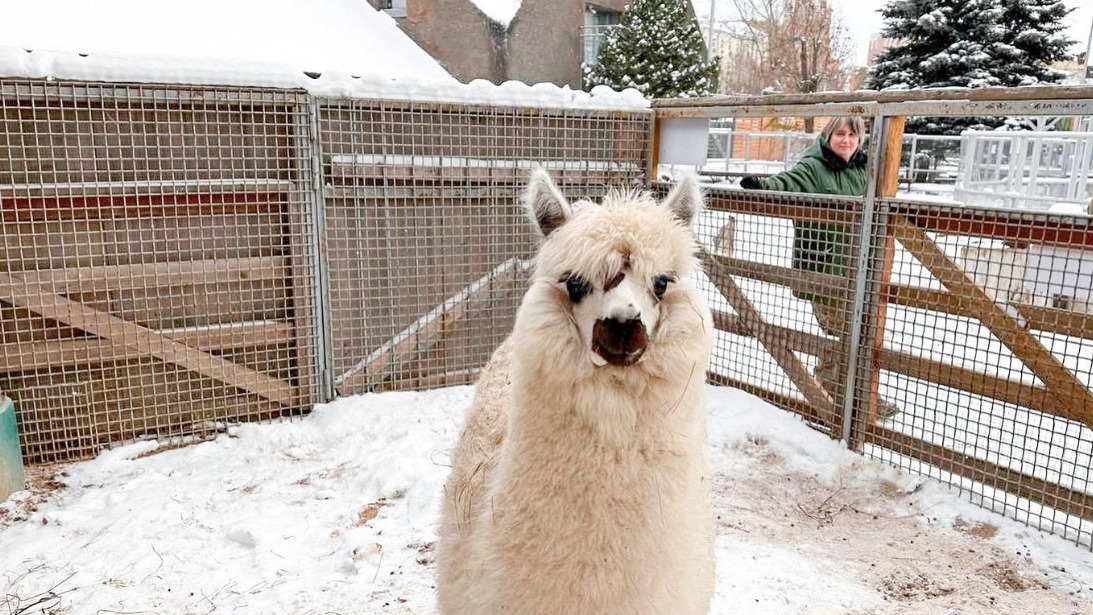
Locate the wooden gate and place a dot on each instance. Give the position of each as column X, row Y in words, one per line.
column 157, row 262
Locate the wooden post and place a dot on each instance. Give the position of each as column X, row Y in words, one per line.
column 654, row 154
column 887, row 185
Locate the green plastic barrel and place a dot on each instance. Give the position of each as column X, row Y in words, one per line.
column 12, row 477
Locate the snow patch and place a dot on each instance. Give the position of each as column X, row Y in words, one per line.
column 501, row 11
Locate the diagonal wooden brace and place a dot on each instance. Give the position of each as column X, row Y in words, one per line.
column 775, row 344
column 1070, row 397
column 38, row 298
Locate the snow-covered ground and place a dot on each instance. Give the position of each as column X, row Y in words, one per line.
column 1029, row 442
column 335, row 513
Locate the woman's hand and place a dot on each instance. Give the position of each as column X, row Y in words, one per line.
column 750, row 182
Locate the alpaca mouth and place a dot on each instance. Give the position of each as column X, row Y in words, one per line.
column 619, row 343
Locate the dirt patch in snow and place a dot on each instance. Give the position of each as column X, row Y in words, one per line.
column 42, row 482
column 874, row 537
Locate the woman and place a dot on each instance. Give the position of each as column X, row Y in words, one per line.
column 833, row 164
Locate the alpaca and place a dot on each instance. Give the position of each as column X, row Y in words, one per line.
column 578, row 485
column 725, row 238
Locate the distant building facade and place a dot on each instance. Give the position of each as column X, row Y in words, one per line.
column 858, row 77
column 740, row 56
column 545, row 41
column 878, row 44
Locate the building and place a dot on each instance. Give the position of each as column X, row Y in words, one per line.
column 243, row 42
column 877, row 45
column 858, row 76
column 530, row 40
column 739, row 56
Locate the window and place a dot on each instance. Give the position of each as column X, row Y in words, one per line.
column 597, row 22
column 394, row 8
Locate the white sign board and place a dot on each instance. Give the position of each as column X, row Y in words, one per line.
column 683, row 141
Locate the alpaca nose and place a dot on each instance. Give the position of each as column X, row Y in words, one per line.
column 619, row 342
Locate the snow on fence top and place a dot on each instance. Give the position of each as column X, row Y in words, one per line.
column 328, row 47
column 126, row 68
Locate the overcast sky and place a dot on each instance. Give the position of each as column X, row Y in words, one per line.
column 862, row 18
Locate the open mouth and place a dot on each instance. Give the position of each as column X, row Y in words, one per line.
column 619, row 343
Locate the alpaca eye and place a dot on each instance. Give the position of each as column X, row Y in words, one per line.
column 577, row 287
column 660, row 285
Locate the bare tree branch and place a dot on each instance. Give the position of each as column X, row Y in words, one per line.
column 784, row 45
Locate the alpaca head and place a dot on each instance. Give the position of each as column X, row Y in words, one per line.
column 609, row 276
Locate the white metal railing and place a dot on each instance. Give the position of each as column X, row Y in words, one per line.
column 1026, row 169
column 733, row 153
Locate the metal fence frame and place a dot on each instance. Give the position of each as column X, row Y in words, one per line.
column 243, row 220
column 594, row 150
column 884, row 231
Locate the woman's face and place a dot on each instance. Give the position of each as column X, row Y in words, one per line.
column 843, row 142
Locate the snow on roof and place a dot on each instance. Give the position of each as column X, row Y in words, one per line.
column 501, row 11
column 307, row 35
column 328, row 47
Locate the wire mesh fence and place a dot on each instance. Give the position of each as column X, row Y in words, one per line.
column 988, row 347
column 428, row 246
column 781, row 303
column 977, row 346
column 951, row 341
column 157, row 261
column 161, row 273
column 176, row 259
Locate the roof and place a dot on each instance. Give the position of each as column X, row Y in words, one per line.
column 316, row 36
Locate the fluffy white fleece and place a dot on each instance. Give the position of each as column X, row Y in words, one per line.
column 579, row 488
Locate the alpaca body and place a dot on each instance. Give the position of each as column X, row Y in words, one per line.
column 579, row 488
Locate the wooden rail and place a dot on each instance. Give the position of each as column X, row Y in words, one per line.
column 39, row 298
column 985, row 472
column 777, row 345
column 104, row 278
column 1070, row 397
column 30, row 356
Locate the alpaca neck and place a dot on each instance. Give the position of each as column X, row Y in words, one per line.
column 619, row 410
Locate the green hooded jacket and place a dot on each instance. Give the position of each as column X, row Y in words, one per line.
column 821, row 246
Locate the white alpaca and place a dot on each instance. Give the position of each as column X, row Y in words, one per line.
column 578, row 486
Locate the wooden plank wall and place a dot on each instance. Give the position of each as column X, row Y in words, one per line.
column 148, row 280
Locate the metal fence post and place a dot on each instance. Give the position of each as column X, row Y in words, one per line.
column 321, row 263
column 867, row 326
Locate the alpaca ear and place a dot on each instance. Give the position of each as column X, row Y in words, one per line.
column 685, row 199
column 545, row 204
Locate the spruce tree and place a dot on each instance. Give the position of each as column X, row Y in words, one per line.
column 656, row 48
column 969, row 43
